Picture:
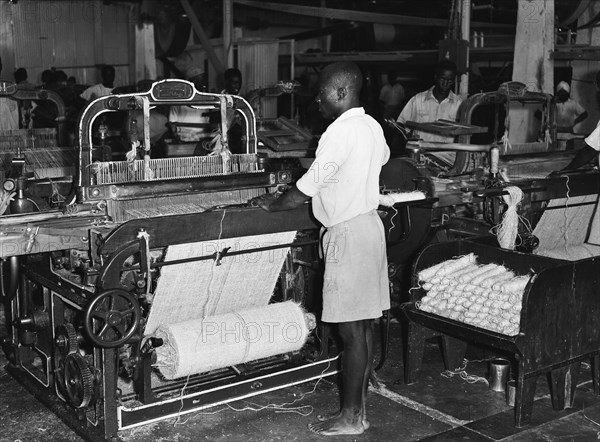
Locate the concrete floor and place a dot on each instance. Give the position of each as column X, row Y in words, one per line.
column 437, row 408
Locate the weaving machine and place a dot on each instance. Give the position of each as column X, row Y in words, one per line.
column 550, row 326
column 38, row 153
column 157, row 290
column 469, row 191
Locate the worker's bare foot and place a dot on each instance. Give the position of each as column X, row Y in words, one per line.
column 332, row 416
column 342, row 423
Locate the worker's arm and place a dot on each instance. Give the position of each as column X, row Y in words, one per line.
column 289, row 200
column 580, row 117
column 583, row 156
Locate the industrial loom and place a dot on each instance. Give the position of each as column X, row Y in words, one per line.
column 535, row 298
column 157, row 289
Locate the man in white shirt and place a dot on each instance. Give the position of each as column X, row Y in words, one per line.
column 392, row 96
column 343, row 183
column 568, row 111
column 436, row 103
column 101, row 89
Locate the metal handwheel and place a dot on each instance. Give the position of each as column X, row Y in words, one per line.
column 112, row 318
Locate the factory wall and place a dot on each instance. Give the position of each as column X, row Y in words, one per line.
column 73, row 36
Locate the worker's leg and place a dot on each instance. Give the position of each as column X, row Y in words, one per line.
column 369, row 372
column 355, row 372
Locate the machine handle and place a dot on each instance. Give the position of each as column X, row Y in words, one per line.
column 488, row 193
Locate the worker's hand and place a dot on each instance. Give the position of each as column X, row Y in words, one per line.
column 264, row 201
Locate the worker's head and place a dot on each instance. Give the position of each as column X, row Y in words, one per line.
column 108, row 75
column 445, row 76
column 47, row 78
column 393, row 77
column 563, row 91
column 339, row 88
column 196, row 76
column 20, row 75
column 60, row 78
column 233, row 81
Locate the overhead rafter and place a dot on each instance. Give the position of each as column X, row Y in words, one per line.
column 210, row 53
column 359, row 16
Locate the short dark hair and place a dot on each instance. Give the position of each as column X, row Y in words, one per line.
column 345, row 73
column 60, row 76
column 232, row 73
column 106, row 68
column 20, row 75
column 48, row 76
column 445, row 65
column 391, row 77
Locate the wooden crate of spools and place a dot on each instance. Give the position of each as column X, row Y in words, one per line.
column 557, row 325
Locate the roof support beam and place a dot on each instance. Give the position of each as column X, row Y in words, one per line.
column 199, row 30
column 360, row 16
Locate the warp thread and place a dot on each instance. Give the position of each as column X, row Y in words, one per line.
column 462, row 373
column 566, row 224
column 207, row 297
column 508, row 229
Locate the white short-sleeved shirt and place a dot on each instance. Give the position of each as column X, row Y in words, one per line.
column 343, row 181
column 424, row 108
column 593, row 140
column 96, row 91
column 567, row 111
column 186, row 114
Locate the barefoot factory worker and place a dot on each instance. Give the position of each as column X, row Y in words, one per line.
column 343, row 183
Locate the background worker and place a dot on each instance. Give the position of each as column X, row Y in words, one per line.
column 101, row 89
column 392, row 96
column 233, row 81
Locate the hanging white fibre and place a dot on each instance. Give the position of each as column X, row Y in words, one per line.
column 508, row 229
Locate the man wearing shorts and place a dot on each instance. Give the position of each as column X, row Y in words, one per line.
column 343, row 183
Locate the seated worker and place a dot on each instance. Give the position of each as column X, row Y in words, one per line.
column 189, row 115
column 101, row 89
column 568, row 111
column 436, row 103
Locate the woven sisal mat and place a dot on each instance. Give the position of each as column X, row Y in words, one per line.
column 568, row 231
column 205, row 288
